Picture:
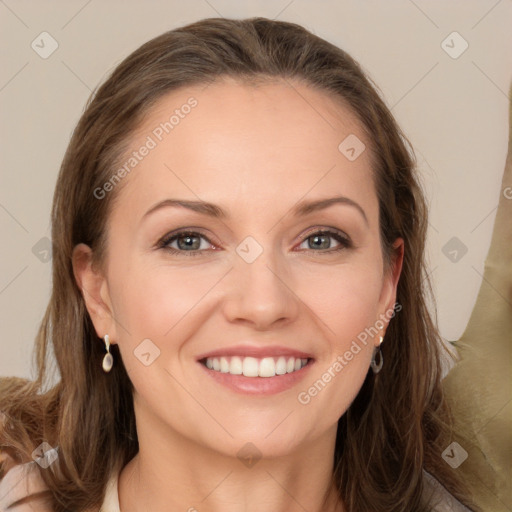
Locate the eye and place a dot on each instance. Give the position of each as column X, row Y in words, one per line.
column 321, row 240
column 187, row 243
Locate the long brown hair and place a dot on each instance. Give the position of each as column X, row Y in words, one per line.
column 398, row 425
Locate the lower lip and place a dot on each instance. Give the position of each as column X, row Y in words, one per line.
column 258, row 385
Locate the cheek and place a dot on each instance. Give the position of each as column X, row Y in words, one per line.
column 153, row 299
column 345, row 298
column 159, row 302
column 169, row 304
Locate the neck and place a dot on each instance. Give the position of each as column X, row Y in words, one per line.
column 173, row 472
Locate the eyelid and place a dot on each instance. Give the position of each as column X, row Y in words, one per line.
column 326, row 230
column 166, row 239
column 163, row 243
column 340, row 236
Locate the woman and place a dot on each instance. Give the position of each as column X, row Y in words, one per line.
column 291, row 363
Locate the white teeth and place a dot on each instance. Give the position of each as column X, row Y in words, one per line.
column 267, row 367
column 224, row 365
column 253, row 367
column 250, row 367
column 235, row 366
column 281, row 366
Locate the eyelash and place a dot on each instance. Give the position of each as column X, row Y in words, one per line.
column 342, row 239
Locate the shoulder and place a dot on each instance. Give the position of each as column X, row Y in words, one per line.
column 22, row 489
column 439, row 498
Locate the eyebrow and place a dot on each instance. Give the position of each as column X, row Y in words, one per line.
column 300, row 209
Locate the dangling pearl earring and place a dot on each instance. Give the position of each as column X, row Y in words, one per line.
column 377, row 359
column 108, row 360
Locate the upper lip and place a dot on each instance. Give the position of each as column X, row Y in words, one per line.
column 258, row 352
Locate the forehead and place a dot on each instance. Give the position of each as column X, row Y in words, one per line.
column 245, row 142
column 259, row 108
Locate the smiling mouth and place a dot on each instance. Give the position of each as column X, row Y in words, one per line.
column 255, row 367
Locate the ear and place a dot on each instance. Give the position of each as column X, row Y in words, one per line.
column 94, row 287
column 390, row 281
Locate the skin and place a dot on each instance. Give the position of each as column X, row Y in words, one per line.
column 256, row 151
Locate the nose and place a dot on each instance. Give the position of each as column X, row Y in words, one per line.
column 260, row 294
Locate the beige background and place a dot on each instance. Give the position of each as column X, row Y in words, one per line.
column 454, row 110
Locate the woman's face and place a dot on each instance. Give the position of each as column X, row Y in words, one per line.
column 254, row 286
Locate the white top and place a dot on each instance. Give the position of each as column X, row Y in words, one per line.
column 111, row 501
column 24, row 479
column 20, row 481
